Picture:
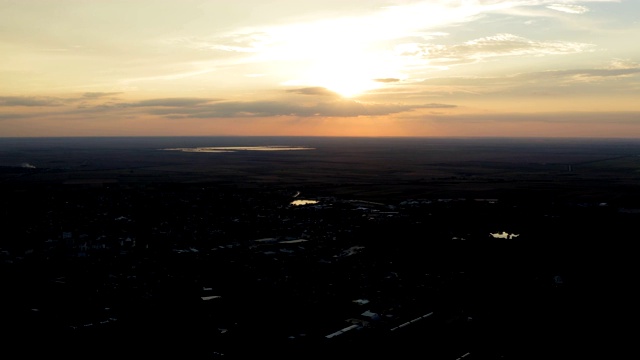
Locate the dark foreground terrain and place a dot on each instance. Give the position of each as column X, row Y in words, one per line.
column 402, row 248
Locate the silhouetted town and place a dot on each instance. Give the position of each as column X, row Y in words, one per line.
column 198, row 270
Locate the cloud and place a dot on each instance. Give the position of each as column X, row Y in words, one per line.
column 15, row 116
column 494, row 46
column 29, row 101
column 97, row 95
column 318, row 90
column 386, row 80
column 577, row 74
column 176, row 108
column 568, row 8
column 558, row 83
column 568, row 117
column 315, row 40
column 243, row 42
column 339, row 108
column 539, row 76
column 170, row 102
column 47, row 101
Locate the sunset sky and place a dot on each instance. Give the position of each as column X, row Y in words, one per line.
column 327, row 68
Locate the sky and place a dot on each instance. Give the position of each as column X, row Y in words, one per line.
column 461, row 68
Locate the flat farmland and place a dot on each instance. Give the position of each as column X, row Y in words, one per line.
column 371, row 168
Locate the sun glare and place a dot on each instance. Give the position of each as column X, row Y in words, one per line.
column 348, row 75
column 342, row 55
column 346, row 55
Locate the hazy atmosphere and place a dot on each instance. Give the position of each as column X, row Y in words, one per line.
column 332, row 68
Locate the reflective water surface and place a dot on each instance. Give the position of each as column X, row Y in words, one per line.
column 303, row 202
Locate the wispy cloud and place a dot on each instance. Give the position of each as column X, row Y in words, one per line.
column 391, row 23
column 494, row 46
column 50, row 101
column 561, row 84
column 567, row 117
column 557, row 76
column 338, row 108
column 97, row 95
column 582, row 74
column 170, row 102
column 9, row 116
column 249, row 42
column 29, row 101
column 313, row 91
column 168, row 77
column 332, row 105
column 386, row 80
column 569, row 8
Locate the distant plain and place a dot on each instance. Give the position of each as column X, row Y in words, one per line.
column 381, row 169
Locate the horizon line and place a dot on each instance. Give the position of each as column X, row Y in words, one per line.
column 325, row 136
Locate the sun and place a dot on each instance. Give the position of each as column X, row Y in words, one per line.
column 351, row 72
column 344, row 55
column 348, row 75
column 346, row 79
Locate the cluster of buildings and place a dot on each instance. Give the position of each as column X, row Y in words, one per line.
column 209, row 270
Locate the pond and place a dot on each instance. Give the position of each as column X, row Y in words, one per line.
column 303, row 202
